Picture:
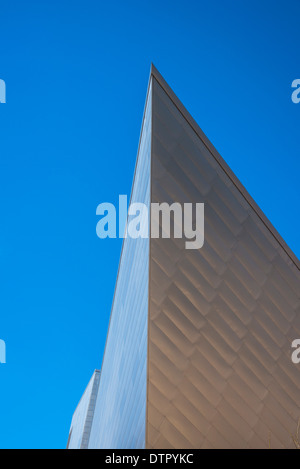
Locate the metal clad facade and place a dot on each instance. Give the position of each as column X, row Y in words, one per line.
column 198, row 353
column 222, row 319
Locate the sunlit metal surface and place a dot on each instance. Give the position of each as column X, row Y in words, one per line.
column 222, row 319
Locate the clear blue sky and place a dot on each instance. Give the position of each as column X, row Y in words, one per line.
column 76, row 74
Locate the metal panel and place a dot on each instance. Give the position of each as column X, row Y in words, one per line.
column 221, row 319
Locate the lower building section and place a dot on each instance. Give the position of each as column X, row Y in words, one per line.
column 199, row 347
column 81, row 425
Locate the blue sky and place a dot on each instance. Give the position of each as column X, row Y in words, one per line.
column 76, row 75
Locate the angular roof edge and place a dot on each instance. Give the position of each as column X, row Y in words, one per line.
column 216, row 155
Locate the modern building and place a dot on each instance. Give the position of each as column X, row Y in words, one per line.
column 198, row 352
column 81, row 425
